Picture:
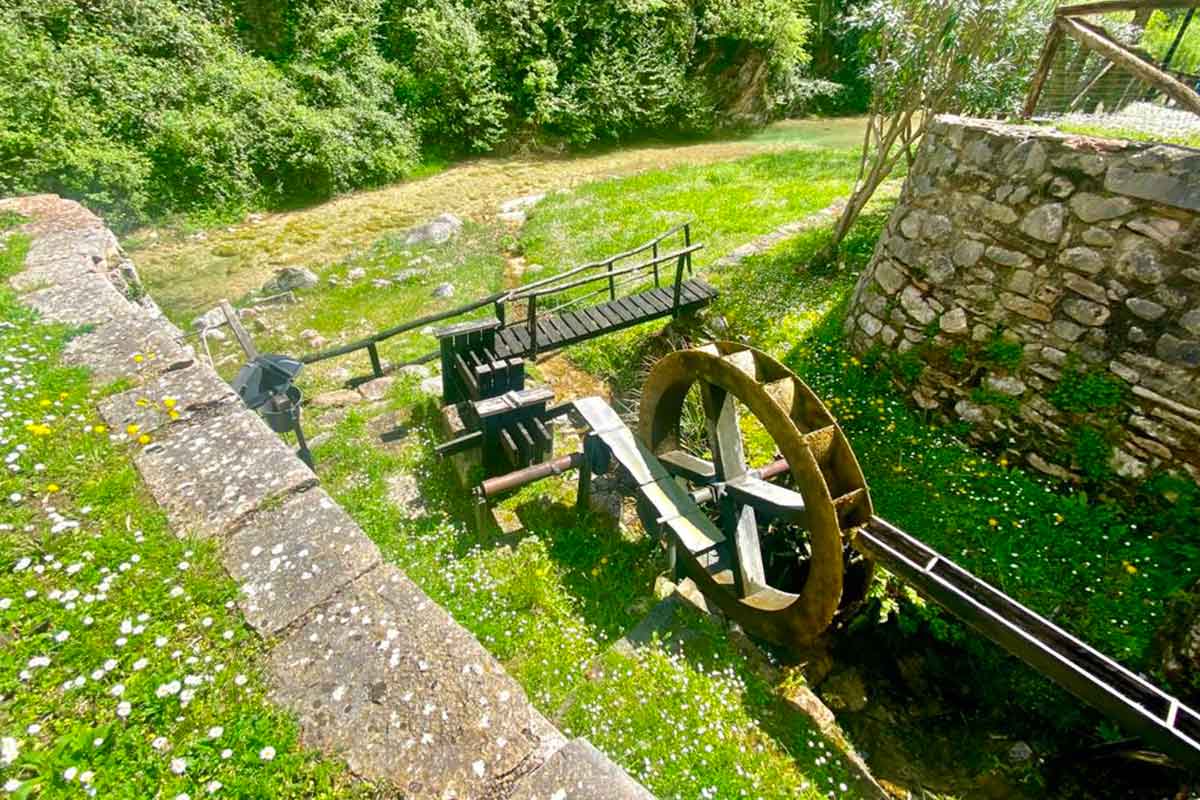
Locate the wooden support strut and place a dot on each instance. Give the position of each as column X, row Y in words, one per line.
column 1124, row 58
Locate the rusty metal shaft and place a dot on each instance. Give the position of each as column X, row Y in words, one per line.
column 524, row 477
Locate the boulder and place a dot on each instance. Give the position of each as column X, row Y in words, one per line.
column 439, row 230
column 288, row 279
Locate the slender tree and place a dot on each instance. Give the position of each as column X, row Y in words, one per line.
column 933, row 57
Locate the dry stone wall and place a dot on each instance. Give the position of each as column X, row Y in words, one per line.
column 377, row 673
column 1045, row 289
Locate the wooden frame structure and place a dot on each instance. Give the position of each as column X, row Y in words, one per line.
column 1069, row 22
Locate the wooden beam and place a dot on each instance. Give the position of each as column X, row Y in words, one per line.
column 1049, row 50
column 1124, row 58
column 239, row 332
column 1108, row 6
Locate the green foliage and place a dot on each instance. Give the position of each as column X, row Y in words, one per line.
column 145, row 108
column 1001, row 352
column 990, row 397
column 1091, row 451
column 12, row 255
column 1160, row 33
column 10, row 219
column 1084, row 391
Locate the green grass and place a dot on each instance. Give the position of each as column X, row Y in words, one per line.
column 126, row 669
column 1124, row 132
column 1099, row 567
column 729, row 202
column 548, row 602
column 354, row 309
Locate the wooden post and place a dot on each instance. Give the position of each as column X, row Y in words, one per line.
column 678, row 286
column 239, row 332
column 584, row 497
column 687, row 242
column 500, row 311
column 376, row 365
column 612, row 284
column 657, row 283
column 1049, row 50
column 533, row 335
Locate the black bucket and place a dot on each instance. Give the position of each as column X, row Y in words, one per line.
column 282, row 414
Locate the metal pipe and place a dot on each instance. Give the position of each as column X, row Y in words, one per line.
column 524, row 477
column 708, row 494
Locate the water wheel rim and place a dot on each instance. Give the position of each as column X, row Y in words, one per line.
column 788, row 410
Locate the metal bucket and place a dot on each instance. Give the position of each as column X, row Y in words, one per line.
column 282, row 414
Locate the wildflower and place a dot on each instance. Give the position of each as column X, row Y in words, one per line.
column 267, row 753
column 132, row 429
column 992, row 521
column 178, row 766
column 143, row 439
column 168, row 402
column 9, row 750
column 124, row 709
column 215, row 732
column 11, row 785
column 138, row 358
column 1130, row 568
column 100, row 429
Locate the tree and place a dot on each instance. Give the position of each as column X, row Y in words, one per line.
column 933, row 57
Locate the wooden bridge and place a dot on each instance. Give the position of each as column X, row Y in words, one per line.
column 580, row 304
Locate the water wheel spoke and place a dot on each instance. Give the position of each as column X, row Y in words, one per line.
column 748, row 553
column 724, row 434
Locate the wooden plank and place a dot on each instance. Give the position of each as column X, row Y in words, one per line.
column 566, row 331
column 751, row 575
column 627, row 312
column 696, row 470
column 1049, row 50
column 610, row 315
column 239, row 333
column 656, row 301
column 597, row 319
column 571, row 320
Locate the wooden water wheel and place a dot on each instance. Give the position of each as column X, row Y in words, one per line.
column 813, row 490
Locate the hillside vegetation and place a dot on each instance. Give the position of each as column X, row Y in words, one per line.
column 142, row 108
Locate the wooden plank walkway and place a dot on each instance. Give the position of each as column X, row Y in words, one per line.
column 559, row 330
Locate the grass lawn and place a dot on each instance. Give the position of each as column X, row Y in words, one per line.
column 548, row 604
column 126, row 670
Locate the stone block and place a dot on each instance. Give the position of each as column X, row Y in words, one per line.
column 967, row 252
column 1144, row 308
column 89, row 299
column 1190, row 322
column 188, row 392
column 1083, row 286
column 1021, row 281
column 1098, row 237
column 579, row 772
column 1140, row 261
column 1045, row 223
column 890, row 279
column 1170, row 190
column 291, row 559
column 132, row 348
column 43, row 273
column 210, row 475
column 1182, row 351
column 1066, row 330
column 1083, row 259
column 1091, row 207
column 954, row 321
column 1006, row 258
column 1025, row 307
column 916, row 306
column 384, row 677
column 869, row 324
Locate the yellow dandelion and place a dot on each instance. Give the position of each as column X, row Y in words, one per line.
column 173, row 414
column 38, row 429
column 168, row 402
column 132, row 429
column 595, row 571
column 45, row 403
column 1058, row 518
column 144, row 439
column 138, row 358
column 52, row 488
column 101, row 429
column 993, row 521
column 1130, row 568
column 142, row 402
column 62, row 395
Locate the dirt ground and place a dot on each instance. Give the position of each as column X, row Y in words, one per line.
column 188, row 275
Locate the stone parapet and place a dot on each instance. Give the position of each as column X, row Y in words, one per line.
column 1047, row 287
column 376, row 672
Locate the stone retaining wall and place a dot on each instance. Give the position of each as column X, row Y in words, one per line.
column 376, row 672
column 1045, row 289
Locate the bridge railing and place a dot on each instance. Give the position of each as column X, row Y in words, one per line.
column 614, row 272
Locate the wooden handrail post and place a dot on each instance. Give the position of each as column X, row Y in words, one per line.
column 654, row 258
column 687, row 242
column 376, row 366
column 612, row 284
column 678, row 285
column 1049, row 50
column 533, row 336
column 500, row 312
